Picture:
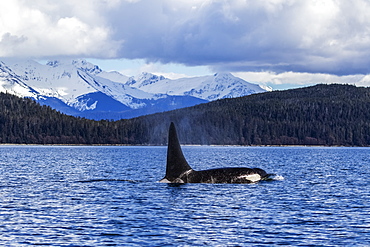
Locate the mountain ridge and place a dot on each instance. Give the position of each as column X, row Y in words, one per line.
column 67, row 85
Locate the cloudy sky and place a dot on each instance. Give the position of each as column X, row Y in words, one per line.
column 280, row 43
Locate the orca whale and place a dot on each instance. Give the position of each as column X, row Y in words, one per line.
column 179, row 171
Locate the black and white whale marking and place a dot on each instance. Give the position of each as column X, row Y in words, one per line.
column 179, row 171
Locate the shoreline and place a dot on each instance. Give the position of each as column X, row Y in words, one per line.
column 185, row 145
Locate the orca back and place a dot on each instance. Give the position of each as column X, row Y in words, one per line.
column 179, row 171
column 176, row 162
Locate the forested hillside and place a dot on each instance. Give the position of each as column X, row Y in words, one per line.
column 23, row 121
column 318, row 115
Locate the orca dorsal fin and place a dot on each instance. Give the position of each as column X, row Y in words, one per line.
column 176, row 162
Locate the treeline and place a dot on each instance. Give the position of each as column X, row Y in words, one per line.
column 318, row 115
column 23, row 121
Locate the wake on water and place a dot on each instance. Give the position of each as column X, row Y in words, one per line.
column 274, row 177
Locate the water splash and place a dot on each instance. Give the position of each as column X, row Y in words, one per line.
column 274, row 177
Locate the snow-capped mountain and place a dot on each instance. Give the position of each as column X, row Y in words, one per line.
column 12, row 83
column 213, row 87
column 82, row 89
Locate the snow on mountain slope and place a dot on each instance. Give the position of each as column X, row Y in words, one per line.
column 53, row 80
column 122, row 93
column 217, row 86
column 79, row 88
column 69, row 80
column 11, row 83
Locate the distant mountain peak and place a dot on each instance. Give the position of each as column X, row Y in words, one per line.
column 223, row 74
column 54, row 63
column 80, row 64
column 150, row 76
column 86, row 66
column 85, row 88
column 145, row 79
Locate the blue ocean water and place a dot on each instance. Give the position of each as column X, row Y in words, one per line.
column 109, row 196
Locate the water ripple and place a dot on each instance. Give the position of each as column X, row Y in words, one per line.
column 106, row 196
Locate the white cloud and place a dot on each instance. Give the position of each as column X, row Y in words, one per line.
column 315, row 36
column 54, row 28
column 171, row 71
column 295, row 79
column 324, row 36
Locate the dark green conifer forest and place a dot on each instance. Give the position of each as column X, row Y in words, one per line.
column 319, row 115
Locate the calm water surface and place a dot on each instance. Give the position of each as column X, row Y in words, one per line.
column 107, row 196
